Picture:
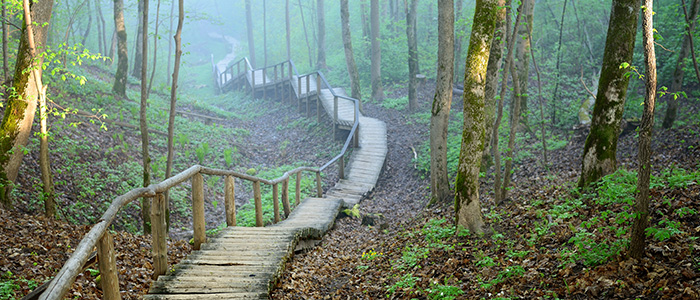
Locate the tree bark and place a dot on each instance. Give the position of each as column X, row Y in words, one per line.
column 366, row 32
column 514, row 121
column 522, row 59
column 138, row 47
column 376, row 68
column 601, row 145
column 458, row 40
column 170, row 49
column 119, row 87
column 413, row 52
column 102, row 28
column 641, row 208
column 494, row 66
column 21, row 105
column 251, row 38
column 264, row 33
column 321, row 19
column 349, row 54
column 89, row 25
column 440, row 112
column 678, row 74
column 5, row 38
column 155, row 49
column 558, row 66
column 145, row 202
column 288, row 30
column 467, row 206
column 173, row 100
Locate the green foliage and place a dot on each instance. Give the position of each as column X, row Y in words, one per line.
column 410, row 257
column 670, row 229
column 443, row 291
column 10, row 284
column 395, row 103
column 406, row 283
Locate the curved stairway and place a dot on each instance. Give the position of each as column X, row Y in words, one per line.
column 244, row 262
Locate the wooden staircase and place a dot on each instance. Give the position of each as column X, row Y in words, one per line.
column 245, row 263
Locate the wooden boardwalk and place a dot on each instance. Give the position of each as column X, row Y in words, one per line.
column 245, row 263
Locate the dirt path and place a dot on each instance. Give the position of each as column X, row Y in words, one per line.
column 223, row 63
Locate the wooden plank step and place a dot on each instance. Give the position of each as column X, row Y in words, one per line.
column 217, row 296
column 215, row 261
column 251, row 288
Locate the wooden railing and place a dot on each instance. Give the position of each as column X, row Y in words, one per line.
column 100, row 237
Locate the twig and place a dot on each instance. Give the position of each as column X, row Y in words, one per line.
column 584, row 85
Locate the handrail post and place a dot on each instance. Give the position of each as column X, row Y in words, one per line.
column 318, row 97
column 308, row 93
column 319, row 189
column 158, row 234
column 335, row 116
column 230, row 200
column 258, row 204
column 298, row 191
column 282, row 84
column 252, row 72
column 341, row 167
column 356, row 137
column 198, row 210
column 264, row 84
column 276, row 84
column 291, row 77
column 275, row 203
column 299, row 94
column 108, row 267
column 285, row 197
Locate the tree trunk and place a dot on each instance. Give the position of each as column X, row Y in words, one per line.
column 288, row 30
column 89, row 25
column 413, row 53
column 21, row 105
column 641, row 208
column 170, row 52
column 321, row 19
column 306, row 34
column 100, row 45
column 458, row 40
column 138, row 54
column 440, row 112
column 514, row 121
column 5, row 38
column 366, row 32
column 522, row 59
column 601, row 145
column 251, row 38
column 155, row 49
column 376, row 68
column 119, row 87
column 145, row 202
column 173, row 99
column 264, row 33
column 558, row 66
column 494, row 66
column 677, row 81
column 102, row 28
column 467, row 206
column 349, row 55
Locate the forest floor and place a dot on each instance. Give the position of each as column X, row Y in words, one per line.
column 538, row 245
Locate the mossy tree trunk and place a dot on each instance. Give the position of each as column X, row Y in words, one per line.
column 21, row 104
column 467, row 206
column 677, row 81
column 119, row 87
column 440, row 112
column 145, row 202
column 491, row 87
column 412, row 41
column 349, row 54
column 601, row 144
column 641, row 208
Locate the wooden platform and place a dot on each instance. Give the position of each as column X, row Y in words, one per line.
column 244, row 262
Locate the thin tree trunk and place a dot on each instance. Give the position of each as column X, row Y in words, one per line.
column 265, row 33
column 173, row 94
column 20, row 107
column 155, row 49
column 103, row 30
column 458, row 42
column 145, row 202
column 113, row 46
column 440, row 112
column 376, row 68
column 491, row 87
column 349, row 55
column 678, row 74
column 600, row 150
column 539, row 94
column 119, row 87
column 288, row 30
column 366, row 32
column 89, row 24
column 251, row 38
column 306, row 35
column 514, row 121
column 413, row 53
column 321, row 19
column 522, row 58
column 558, row 66
column 138, row 47
column 641, row 208
column 100, row 31
column 5, row 38
column 44, row 162
column 495, row 152
column 467, row 206
column 170, row 49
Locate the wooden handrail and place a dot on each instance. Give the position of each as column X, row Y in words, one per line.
column 62, row 282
